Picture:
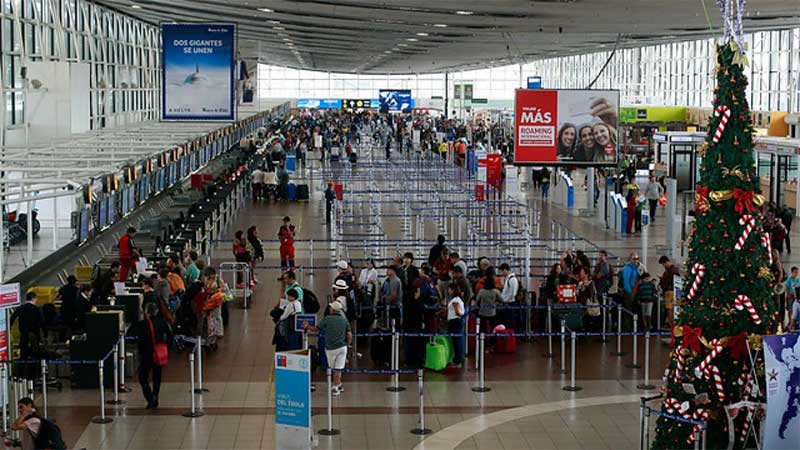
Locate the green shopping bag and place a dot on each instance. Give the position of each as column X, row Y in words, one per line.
column 448, row 343
column 435, row 357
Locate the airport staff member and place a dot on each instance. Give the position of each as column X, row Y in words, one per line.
column 128, row 255
column 30, row 332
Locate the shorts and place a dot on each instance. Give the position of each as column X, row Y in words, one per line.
column 443, row 285
column 337, row 357
column 669, row 299
column 647, row 309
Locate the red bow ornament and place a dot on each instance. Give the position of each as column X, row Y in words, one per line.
column 744, row 200
column 738, row 345
column 691, row 338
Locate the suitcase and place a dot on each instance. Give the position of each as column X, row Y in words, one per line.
column 302, row 192
column 380, row 349
column 505, row 344
column 435, row 357
column 447, row 342
column 471, row 322
column 353, row 158
column 291, row 191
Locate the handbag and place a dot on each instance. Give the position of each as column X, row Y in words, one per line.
column 160, row 350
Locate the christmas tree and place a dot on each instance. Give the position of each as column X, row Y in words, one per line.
column 727, row 280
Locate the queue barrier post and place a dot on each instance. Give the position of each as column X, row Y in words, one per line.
column 477, row 333
column 635, row 363
column 102, row 418
column 395, row 355
column 199, row 360
column 116, row 400
column 330, row 431
column 44, row 387
column 549, row 320
column 5, row 390
column 479, row 350
column 193, row 412
column 122, row 360
column 421, row 431
column 619, row 351
column 603, row 336
column 563, row 346
column 572, row 386
column 645, row 385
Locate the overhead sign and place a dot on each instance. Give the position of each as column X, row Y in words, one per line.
column 319, row 103
column 198, row 65
column 395, row 99
column 566, row 127
column 782, row 373
column 293, row 400
column 9, row 295
column 356, row 104
column 467, row 92
column 534, row 82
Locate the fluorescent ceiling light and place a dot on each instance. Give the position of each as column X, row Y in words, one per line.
column 412, row 39
column 440, row 25
column 266, row 10
column 278, row 28
column 388, row 52
column 402, row 45
column 136, row 6
column 464, row 13
column 422, row 34
column 275, row 22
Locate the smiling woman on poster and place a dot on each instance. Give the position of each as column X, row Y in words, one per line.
column 605, row 139
column 585, row 150
column 566, row 141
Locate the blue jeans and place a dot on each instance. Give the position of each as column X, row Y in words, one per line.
column 456, row 326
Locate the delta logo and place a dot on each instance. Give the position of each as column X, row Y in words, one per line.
column 281, row 361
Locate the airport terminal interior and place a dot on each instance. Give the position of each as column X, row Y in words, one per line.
column 352, row 224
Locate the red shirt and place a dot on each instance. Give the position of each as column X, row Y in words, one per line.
column 442, row 268
column 125, row 247
column 286, row 235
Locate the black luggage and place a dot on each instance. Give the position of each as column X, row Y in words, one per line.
column 380, row 348
column 302, row 192
column 352, row 157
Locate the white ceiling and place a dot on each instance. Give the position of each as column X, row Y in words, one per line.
column 383, row 36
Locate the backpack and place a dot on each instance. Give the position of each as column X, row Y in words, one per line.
column 522, row 294
column 310, row 302
column 49, row 435
column 428, row 293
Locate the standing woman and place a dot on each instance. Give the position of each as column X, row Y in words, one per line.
column 241, row 254
column 153, row 335
column 286, row 235
column 256, row 249
column 566, row 141
column 455, row 322
column 487, row 300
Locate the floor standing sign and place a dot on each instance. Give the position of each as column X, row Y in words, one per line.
column 782, row 367
column 293, row 400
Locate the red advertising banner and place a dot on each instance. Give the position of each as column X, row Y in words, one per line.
column 479, row 192
column 494, row 170
column 9, row 295
column 3, row 345
column 566, row 127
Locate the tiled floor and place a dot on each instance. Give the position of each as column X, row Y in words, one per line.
column 526, row 408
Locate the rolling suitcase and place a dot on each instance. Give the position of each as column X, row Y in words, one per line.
column 505, row 344
column 291, row 192
column 380, row 348
column 302, row 192
column 435, row 357
column 471, row 323
column 447, row 342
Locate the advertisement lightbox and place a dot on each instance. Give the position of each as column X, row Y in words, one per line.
column 566, row 127
column 198, row 61
column 395, row 99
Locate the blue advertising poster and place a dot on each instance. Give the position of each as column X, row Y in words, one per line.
column 395, row 100
column 293, row 400
column 319, row 103
column 534, row 82
column 198, row 61
column 782, row 367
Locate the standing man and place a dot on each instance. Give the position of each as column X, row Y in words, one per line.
column 667, row 285
column 630, row 275
column 653, row 191
column 330, row 196
column 509, row 295
column 436, row 250
column 336, row 330
column 602, row 274
column 30, row 333
column 392, row 295
column 128, row 255
column 286, row 238
column 257, row 179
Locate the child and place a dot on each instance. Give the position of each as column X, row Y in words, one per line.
column 646, row 295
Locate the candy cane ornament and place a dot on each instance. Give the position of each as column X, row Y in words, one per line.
column 700, row 414
column 725, row 112
column 748, row 222
column 741, row 302
column 673, row 406
column 699, row 272
column 717, row 348
column 678, row 365
column 712, row 371
column 766, row 242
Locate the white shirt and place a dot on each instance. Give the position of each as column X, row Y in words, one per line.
column 294, row 307
column 257, row 176
column 463, row 266
column 510, row 288
column 270, row 178
column 368, row 276
column 451, row 308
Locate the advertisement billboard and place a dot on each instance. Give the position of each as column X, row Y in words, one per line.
column 566, row 127
column 395, row 99
column 319, row 103
column 198, row 61
column 349, row 103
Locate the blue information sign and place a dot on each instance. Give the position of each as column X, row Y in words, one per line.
column 534, row 82
column 198, row 61
column 293, row 400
